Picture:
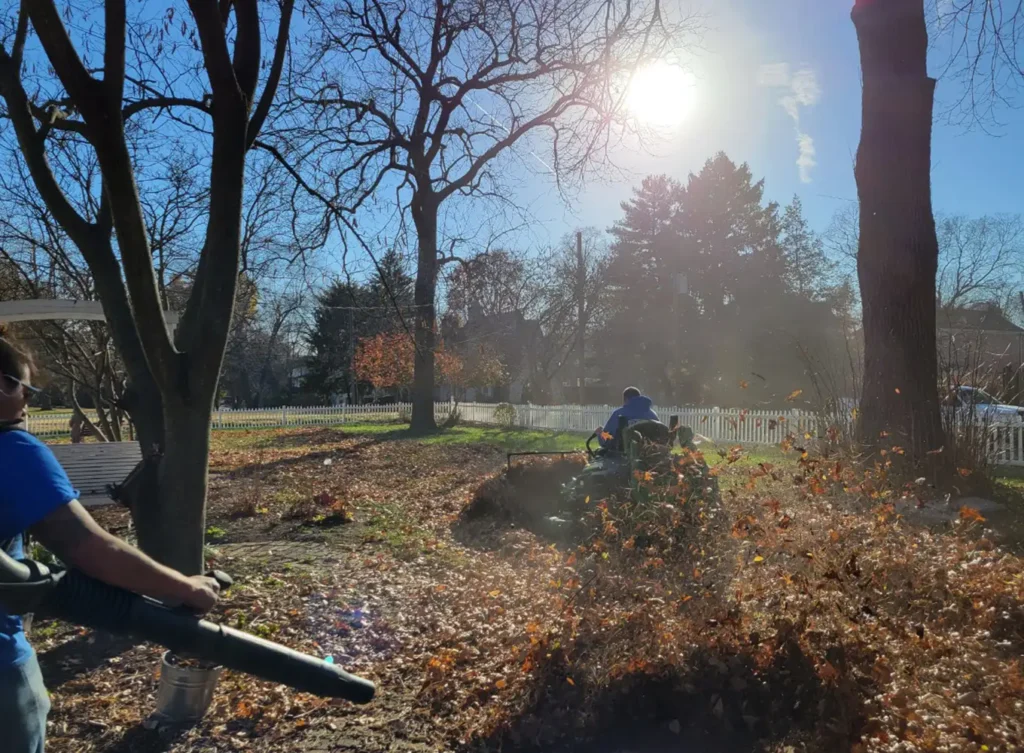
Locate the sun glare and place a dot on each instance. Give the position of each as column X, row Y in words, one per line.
column 662, row 94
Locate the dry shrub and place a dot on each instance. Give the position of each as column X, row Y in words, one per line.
column 836, row 381
column 251, row 502
column 975, row 439
column 248, row 506
column 505, row 415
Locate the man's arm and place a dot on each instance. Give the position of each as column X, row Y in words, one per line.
column 610, row 428
column 71, row 533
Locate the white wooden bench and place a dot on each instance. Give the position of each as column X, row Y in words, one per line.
column 94, row 466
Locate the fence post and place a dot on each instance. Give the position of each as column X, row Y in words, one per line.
column 284, row 416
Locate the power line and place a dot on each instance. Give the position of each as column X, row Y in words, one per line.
column 376, row 308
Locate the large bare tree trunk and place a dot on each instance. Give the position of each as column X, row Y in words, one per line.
column 898, row 254
column 424, row 214
column 171, row 524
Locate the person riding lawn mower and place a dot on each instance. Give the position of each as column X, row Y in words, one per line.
column 635, row 407
column 640, row 447
column 634, row 443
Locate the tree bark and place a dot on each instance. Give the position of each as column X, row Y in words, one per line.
column 424, row 215
column 897, row 258
column 581, row 320
column 171, row 524
column 143, row 403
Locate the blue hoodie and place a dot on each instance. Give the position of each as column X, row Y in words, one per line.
column 637, row 409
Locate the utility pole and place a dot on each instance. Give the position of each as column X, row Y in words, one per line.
column 581, row 318
column 353, row 387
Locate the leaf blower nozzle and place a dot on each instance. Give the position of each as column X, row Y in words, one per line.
column 29, row 586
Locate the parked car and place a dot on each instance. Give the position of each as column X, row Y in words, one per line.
column 974, row 403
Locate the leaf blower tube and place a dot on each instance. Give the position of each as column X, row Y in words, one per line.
column 28, row 586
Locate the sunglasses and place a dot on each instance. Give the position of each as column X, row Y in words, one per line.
column 26, row 389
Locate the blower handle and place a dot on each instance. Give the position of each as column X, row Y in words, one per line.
column 224, row 581
column 12, row 571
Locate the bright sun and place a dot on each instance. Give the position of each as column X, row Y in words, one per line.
column 662, row 94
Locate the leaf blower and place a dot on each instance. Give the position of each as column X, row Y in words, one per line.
column 27, row 586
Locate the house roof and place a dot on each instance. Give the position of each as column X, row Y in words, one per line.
column 989, row 318
column 510, row 333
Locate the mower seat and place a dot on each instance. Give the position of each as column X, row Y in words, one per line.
column 654, row 432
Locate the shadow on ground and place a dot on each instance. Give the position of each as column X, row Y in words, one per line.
column 148, row 738
column 80, row 655
column 721, row 703
column 308, row 458
column 332, row 435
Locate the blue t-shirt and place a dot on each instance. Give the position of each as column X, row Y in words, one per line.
column 32, row 485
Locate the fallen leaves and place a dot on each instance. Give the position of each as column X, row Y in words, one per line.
column 971, row 515
column 470, row 633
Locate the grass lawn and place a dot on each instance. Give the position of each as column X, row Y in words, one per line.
column 509, row 440
column 789, row 615
column 522, row 440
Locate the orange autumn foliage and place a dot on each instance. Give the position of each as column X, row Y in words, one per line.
column 387, row 361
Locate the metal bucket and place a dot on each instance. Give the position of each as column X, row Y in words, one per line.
column 185, row 693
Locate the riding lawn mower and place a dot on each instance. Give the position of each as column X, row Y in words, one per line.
column 639, row 450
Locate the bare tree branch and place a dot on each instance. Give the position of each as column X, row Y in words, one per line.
column 114, row 50
column 246, row 61
column 210, row 23
column 80, row 85
column 259, row 115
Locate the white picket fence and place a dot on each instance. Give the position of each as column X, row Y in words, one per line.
column 717, row 425
column 746, row 427
column 739, row 426
column 1006, row 444
column 57, row 424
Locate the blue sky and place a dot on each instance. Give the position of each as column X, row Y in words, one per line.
column 752, row 50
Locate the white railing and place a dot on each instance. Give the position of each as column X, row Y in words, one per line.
column 720, row 426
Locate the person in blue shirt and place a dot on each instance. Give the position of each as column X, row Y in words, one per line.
column 635, row 407
column 37, row 497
